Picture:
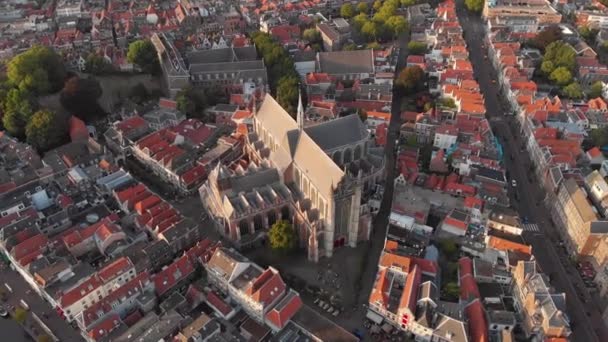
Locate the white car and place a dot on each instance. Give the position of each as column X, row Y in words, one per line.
column 513, row 183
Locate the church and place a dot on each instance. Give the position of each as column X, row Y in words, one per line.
column 318, row 177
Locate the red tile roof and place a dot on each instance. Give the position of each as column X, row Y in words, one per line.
column 173, row 274
column 104, row 327
column 473, row 203
column 410, row 290
column 128, row 193
column 284, row 310
column 78, row 130
column 194, row 175
column 28, row 250
column 468, row 286
column 478, row 325
column 506, row 245
column 130, row 124
column 381, row 287
column 167, row 103
column 115, row 269
column 267, row 287
column 218, row 304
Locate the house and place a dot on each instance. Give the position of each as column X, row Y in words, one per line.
column 334, row 34
column 595, row 156
column 504, row 220
column 455, row 223
column 446, row 136
column 347, row 65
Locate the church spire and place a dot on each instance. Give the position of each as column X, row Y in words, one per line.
column 300, row 116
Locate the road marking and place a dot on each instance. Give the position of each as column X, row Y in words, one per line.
column 531, row 227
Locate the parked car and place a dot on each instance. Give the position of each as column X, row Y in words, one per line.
column 3, row 312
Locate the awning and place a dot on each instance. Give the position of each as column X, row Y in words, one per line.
column 374, row 317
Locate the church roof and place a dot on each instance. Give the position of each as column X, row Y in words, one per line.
column 337, row 133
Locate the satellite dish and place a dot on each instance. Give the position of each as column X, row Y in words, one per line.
column 92, row 218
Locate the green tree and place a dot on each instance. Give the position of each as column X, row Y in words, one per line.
column 143, row 54
column 46, row 130
column 599, row 136
column 192, row 102
column 396, row 25
column 449, row 249
column 20, row 315
column 547, row 36
column 139, row 93
column 97, row 65
column 312, row 35
column 374, row 45
column 362, row 7
column 38, row 70
column 406, row 3
column 416, row 48
column 370, row 30
column 451, row 290
column 282, row 236
column 588, row 34
column 561, row 76
column 349, row 47
column 359, row 20
column 596, row 90
column 474, row 5
column 573, row 91
column 561, row 55
column 448, row 102
column 79, row 97
column 547, row 67
column 18, row 107
column 411, row 78
column 287, row 93
column 377, row 5
column 347, row 11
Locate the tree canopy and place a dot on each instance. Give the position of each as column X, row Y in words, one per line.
column 312, row 35
column 561, row 55
column 38, row 70
column 46, row 130
column 282, row 75
column 143, row 54
column 396, row 25
column 20, row 315
column 573, row 91
column 411, row 78
column 79, row 97
column 588, row 34
column 97, row 65
column 561, row 76
column 406, row 3
column 599, row 136
column 547, row 36
column 416, row 48
column 596, row 90
column 362, row 7
column 347, row 11
column 282, row 236
column 18, row 106
column 474, row 5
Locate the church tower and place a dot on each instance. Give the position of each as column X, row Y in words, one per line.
column 300, row 116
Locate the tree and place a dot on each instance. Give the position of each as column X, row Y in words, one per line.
column 370, row 30
column 18, row 107
column 97, row 65
column 474, row 5
column 451, row 290
column 596, row 90
column 573, row 91
column 396, row 25
column 449, row 249
column 347, row 11
column 406, row 3
column 599, row 136
column 377, row 5
column 349, row 47
column 362, row 7
column 547, row 36
column 143, row 54
column 38, row 70
column 547, row 67
column 192, row 102
column 410, row 78
column 79, row 97
column 46, row 130
column 282, row 236
column 359, row 20
column 561, row 76
column 312, row 35
column 139, row 93
column 416, row 48
column 448, row 102
column 374, row 45
column 288, row 92
column 588, row 34
column 20, row 315
column 561, row 55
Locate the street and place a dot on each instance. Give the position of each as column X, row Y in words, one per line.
column 21, row 290
column 586, row 322
column 12, row 331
